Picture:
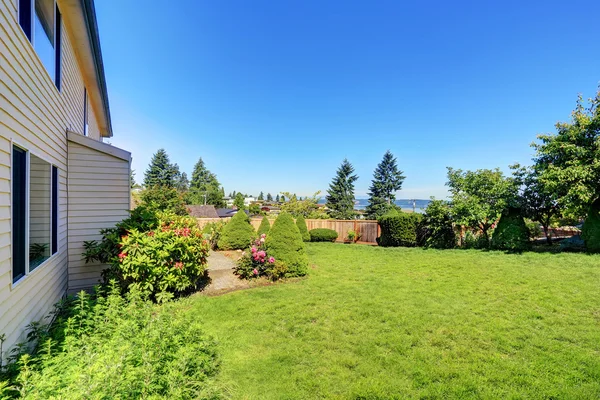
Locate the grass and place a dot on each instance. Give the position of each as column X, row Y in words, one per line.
column 375, row 323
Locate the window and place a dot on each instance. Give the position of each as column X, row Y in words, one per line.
column 41, row 22
column 85, row 112
column 34, row 212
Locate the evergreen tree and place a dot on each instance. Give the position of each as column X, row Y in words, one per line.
column 182, row 184
column 132, row 178
column 265, row 226
column 261, row 196
column 301, row 224
column 239, row 201
column 340, row 196
column 160, row 172
column 277, row 198
column 282, row 198
column 269, row 197
column 204, row 187
column 387, row 179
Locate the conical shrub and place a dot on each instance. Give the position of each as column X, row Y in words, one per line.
column 265, row 226
column 237, row 233
column 591, row 228
column 511, row 234
column 301, row 224
column 284, row 242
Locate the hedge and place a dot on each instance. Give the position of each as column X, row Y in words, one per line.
column 237, row 233
column 284, row 242
column 399, row 229
column 591, row 228
column 301, row 224
column 511, row 233
column 323, row 235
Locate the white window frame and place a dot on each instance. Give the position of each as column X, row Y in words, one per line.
column 28, row 154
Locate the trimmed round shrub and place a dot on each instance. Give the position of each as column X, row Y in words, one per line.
column 237, row 233
column 323, row 235
column 301, row 224
column 591, row 228
column 284, row 242
column 265, row 226
column 511, row 233
column 399, row 229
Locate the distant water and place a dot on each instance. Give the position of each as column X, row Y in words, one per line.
column 406, row 204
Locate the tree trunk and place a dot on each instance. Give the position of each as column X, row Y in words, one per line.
column 547, row 234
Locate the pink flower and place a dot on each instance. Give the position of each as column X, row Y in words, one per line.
column 262, row 240
column 262, row 253
column 271, row 260
column 255, row 271
column 253, row 249
column 179, row 265
column 122, row 256
column 263, row 236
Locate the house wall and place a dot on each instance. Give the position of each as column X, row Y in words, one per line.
column 99, row 194
column 34, row 114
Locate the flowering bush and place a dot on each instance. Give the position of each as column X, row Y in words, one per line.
column 255, row 262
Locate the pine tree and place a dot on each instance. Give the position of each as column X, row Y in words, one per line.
column 340, row 195
column 160, row 172
column 182, row 183
column 277, row 198
column 387, row 179
column 132, row 178
column 204, row 187
column 269, row 197
column 239, row 201
column 282, row 198
column 261, row 196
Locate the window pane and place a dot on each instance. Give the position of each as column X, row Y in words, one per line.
column 43, row 36
column 39, row 211
column 54, row 209
column 19, row 211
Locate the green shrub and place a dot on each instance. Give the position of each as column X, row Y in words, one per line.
column 399, row 229
column 237, row 233
column 301, row 224
column 284, row 242
column 473, row 241
column 323, row 235
column 437, row 225
column 534, row 229
column 511, row 233
column 212, row 233
column 161, row 198
column 257, row 261
column 591, row 228
column 265, row 226
column 116, row 348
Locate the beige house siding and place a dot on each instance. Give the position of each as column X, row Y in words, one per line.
column 35, row 115
column 98, row 198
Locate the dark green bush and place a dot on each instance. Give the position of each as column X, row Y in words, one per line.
column 162, row 198
column 116, row 348
column 437, row 226
column 284, row 242
column 265, row 226
column 301, row 224
column 399, row 229
column 323, row 235
column 591, row 228
column 511, row 233
column 237, row 233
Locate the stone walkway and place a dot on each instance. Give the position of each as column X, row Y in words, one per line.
column 220, row 271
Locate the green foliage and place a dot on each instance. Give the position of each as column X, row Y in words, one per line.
column 111, row 347
column 438, row 224
column 277, row 199
column 387, row 180
column 258, row 262
column 308, row 208
column 534, row 229
column 204, row 187
column 340, row 195
column 511, row 233
column 212, row 233
column 162, row 198
column 352, row 236
column 265, row 226
column 238, row 201
column 285, row 244
column 254, row 209
column 261, row 196
column 479, row 197
column 591, row 228
column 269, row 197
column 569, row 161
column 161, row 172
column 237, row 233
column 301, row 224
column 399, row 229
column 323, row 235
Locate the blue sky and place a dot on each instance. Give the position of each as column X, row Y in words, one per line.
column 274, row 94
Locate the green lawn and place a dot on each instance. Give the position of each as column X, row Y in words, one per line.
column 375, row 323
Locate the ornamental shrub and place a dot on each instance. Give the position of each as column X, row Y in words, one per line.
column 237, row 233
column 437, row 226
column 284, row 242
column 212, row 233
column 511, row 233
column 591, row 228
column 399, row 229
column 265, row 226
column 301, row 224
column 117, row 348
column 256, row 262
column 323, row 235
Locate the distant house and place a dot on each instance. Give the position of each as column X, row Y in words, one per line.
column 202, row 211
column 228, row 212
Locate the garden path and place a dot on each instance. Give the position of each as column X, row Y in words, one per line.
column 220, row 271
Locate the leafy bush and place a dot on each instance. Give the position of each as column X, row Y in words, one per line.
column 111, row 347
column 256, row 262
column 591, row 228
column 159, row 254
column 162, row 198
column 437, row 225
column 511, row 233
column 265, row 226
column 352, row 236
column 534, row 229
column 301, row 224
column 572, row 244
column 285, row 244
column 212, row 233
column 323, row 235
column 399, row 229
column 473, row 241
column 238, row 233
